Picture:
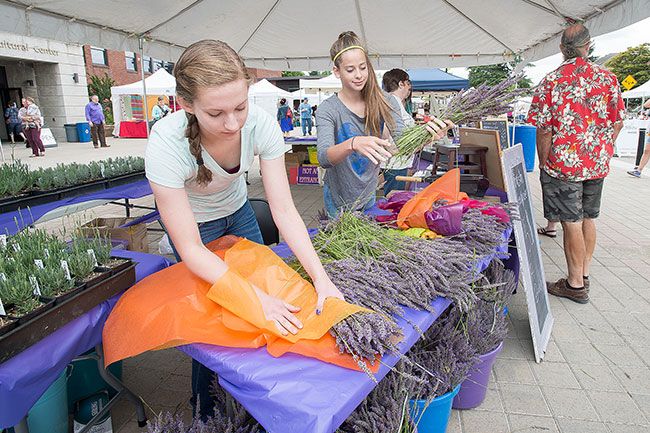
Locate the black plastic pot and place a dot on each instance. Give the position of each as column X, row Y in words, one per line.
column 8, row 326
column 36, row 312
column 119, row 264
column 78, row 287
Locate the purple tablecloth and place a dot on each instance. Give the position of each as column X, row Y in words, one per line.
column 26, row 217
column 296, row 394
column 26, row 376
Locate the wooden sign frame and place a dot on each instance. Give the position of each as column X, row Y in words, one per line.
column 490, row 139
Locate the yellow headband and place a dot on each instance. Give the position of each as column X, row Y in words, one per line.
column 346, row 49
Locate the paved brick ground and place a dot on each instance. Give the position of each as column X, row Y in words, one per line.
column 596, row 373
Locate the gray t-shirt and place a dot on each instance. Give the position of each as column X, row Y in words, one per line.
column 353, row 181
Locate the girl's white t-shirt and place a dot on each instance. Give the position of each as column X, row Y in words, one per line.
column 168, row 162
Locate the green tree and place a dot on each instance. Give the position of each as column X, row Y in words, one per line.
column 634, row 61
column 293, row 74
column 320, row 73
column 494, row 74
column 101, row 86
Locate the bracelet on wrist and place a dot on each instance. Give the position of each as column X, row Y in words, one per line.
column 352, row 144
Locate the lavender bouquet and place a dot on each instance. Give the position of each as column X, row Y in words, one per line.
column 386, row 409
column 466, row 106
column 444, row 352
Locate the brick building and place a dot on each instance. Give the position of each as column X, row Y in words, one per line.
column 124, row 66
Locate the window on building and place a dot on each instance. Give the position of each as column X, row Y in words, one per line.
column 131, row 61
column 147, row 64
column 98, row 56
column 157, row 64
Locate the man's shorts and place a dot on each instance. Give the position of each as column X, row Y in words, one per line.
column 570, row 201
column 15, row 128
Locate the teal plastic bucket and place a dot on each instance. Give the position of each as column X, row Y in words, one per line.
column 85, row 380
column 434, row 417
column 527, row 136
column 50, row 413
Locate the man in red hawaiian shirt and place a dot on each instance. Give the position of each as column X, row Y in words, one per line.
column 578, row 111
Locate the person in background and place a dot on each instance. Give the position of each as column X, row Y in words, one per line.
column 14, row 125
column 32, row 123
column 398, row 85
column 285, row 117
column 578, row 111
column 305, row 117
column 646, row 152
column 354, row 129
column 550, row 230
column 160, row 110
column 96, row 119
column 22, row 113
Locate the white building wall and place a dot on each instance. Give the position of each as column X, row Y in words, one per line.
column 51, row 66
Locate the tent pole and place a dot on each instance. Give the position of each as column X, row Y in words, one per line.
column 144, row 85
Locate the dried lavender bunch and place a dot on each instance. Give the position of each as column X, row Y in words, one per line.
column 446, row 352
column 173, row 423
column 481, row 233
column 229, row 417
column 466, row 106
column 486, row 324
column 386, row 408
column 367, row 336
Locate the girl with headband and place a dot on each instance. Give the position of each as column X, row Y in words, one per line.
column 195, row 161
column 354, row 129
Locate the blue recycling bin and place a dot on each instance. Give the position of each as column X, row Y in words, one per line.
column 527, row 136
column 83, row 131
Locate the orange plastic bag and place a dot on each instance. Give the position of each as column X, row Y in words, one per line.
column 175, row 307
column 446, row 187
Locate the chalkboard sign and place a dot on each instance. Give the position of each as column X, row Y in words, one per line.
column 532, row 268
column 500, row 125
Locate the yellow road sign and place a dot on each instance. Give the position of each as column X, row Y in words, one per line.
column 628, row 82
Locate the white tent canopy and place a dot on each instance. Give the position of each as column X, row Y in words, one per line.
column 160, row 82
column 418, row 33
column 326, row 83
column 643, row 91
column 266, row 96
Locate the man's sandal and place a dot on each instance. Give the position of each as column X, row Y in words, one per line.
column 550, row 233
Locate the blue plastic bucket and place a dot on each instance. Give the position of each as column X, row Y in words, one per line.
column 527, row 136
column 434, row 417
column 50, row 413
column 83, row 132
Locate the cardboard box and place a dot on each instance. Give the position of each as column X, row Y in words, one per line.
column 135, row 235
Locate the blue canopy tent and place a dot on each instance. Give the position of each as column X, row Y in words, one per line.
column 435, row 80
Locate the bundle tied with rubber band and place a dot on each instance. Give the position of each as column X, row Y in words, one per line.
column 174, row 307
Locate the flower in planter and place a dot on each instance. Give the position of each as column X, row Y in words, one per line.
column 53, row 281
column 81, row 264
column 17, row 290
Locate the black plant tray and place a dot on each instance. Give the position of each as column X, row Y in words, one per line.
column 8, row 326
column 126, row 178
column 35, row 198
column 122, row 263
column 41, row 326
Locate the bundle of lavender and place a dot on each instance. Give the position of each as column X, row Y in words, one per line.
column 386, row 409
column 466, row 106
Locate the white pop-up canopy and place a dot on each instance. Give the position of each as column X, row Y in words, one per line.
column 417, row 33
column 159, row 83
column 642, row 91
column 266, row 96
